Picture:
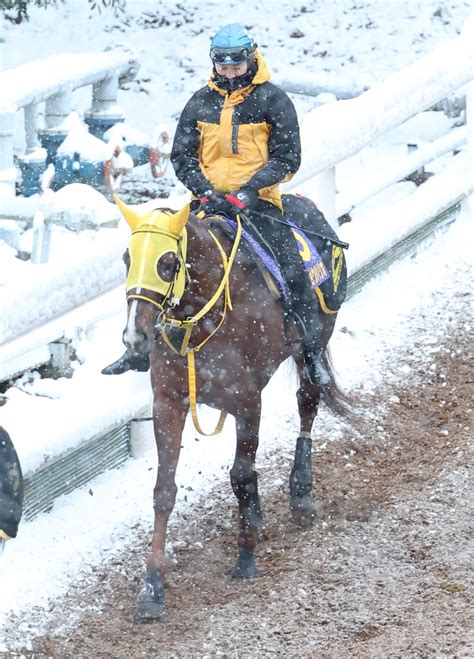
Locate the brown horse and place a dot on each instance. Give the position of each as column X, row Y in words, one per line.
column 248, row 343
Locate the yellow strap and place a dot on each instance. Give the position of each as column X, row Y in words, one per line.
column 225, row 261
column 322, row 302
column 224, row 311
column 184, row 342
column 192, row 400
column 190, row 322
column 225, row 278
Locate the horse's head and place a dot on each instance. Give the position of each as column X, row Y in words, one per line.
column 156, row 274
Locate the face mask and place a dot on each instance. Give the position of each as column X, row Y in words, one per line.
column 231, row 84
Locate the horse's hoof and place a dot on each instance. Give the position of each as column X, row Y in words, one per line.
column 245, row 568
column 303, row 510
column 151, row 600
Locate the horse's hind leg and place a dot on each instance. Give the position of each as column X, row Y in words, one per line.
column 308, row 396
column 244, row 482
column 302, row 505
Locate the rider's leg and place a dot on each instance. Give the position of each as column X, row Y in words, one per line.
column 304, row 305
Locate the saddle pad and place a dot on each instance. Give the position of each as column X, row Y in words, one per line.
column 325, row 265
column 312, row 230
column 322, row 254
column 268, row 261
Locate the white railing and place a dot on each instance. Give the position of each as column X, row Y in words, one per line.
column 331, row 133
column 335, row 131
column 53, row 80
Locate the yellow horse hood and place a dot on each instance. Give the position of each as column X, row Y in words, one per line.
column 157, row 252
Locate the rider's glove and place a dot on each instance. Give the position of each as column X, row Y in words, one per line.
column 241, row 199
column 211, row 203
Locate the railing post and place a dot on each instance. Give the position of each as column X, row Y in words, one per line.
column 104, row 112
column 7, row 132
column 31, row 127
column 324, row 195
column 470, row 126
column 58, row 108
column 41, row 239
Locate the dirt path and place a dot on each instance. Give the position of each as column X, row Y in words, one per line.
column 383, row 573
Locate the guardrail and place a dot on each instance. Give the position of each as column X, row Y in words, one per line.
column 331, row 133
column 53, row 80
column 335, row 131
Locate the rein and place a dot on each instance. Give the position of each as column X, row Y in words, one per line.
column 191, row 322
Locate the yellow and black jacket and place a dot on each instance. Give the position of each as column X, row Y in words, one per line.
column 248, row 137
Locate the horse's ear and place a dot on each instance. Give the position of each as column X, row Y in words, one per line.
column 133, row 220
column 179, row 219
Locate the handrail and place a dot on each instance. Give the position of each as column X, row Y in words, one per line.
column 62, row 73
column 335, row 131
column 55, row 78
column 338, row 130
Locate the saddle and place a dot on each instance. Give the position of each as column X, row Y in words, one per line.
column 321, row 251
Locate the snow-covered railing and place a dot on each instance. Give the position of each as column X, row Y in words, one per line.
column 335, row 131
column 49, row 292
column 332, row 133
column 52, row 80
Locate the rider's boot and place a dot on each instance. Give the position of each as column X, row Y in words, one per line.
column 314, row 367
column 129, row 361
column 306, row 310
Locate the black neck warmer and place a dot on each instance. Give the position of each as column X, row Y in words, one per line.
column 230, row 85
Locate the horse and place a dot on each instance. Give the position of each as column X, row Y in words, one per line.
column 200, row 308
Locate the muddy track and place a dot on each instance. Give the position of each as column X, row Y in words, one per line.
column 384, row 572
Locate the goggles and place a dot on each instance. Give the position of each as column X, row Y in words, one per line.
column 230, row 55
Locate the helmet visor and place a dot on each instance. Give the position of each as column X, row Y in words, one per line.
column 230, row 55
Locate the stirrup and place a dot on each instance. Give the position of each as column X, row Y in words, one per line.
column 129, row 361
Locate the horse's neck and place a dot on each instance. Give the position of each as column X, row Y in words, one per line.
column 204, row 264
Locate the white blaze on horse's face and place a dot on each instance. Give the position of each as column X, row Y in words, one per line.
column 131, row 337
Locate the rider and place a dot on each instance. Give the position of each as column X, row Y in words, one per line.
column 237, row 139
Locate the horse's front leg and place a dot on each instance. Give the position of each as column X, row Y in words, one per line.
column 169, row 416
column 244, row 480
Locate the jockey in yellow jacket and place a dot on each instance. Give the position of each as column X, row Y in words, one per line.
column 237, row 139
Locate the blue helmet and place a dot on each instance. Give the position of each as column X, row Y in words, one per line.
column 232, row 45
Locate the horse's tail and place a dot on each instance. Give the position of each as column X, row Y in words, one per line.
column 338, row 401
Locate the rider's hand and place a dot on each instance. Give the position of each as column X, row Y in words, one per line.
column 241, row 199
column 211, row 203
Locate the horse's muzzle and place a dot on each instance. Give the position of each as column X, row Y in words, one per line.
column 138, row 341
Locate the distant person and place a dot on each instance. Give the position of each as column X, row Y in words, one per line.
column 11, row 489
column 237, row 139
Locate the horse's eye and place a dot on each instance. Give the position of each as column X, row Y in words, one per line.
column 165, row 266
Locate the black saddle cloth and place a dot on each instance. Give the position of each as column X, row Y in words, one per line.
column 300, row 212
column 305, row 215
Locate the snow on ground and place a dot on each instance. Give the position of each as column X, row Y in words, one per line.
column 348, row 44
